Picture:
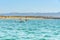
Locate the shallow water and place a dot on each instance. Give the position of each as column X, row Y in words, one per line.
column 15, row 29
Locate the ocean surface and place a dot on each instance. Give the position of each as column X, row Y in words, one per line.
column 43, row 29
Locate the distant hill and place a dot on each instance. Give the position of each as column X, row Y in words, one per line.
column 31, row 14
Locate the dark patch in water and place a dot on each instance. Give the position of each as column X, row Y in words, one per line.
column 47, row 36
column 10, row 39
column 56, row 33
column 21, row 21
column 10, row 28
column 42, row 39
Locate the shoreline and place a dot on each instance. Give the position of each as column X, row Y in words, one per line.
column 28, row 17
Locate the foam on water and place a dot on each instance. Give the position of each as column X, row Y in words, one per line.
column 15, row 29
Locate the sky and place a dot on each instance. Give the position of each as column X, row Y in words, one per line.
column 25, row 6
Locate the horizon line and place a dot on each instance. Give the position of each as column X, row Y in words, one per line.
column 30, row 12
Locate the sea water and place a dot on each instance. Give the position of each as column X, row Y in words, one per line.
column 37, row 29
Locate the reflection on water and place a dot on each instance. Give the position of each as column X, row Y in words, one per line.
column 15, row 29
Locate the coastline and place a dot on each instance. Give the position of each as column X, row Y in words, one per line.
column 28, row 17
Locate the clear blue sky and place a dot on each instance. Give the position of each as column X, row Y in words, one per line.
column 7, row 6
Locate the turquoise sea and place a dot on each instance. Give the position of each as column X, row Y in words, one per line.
column 37, row 29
